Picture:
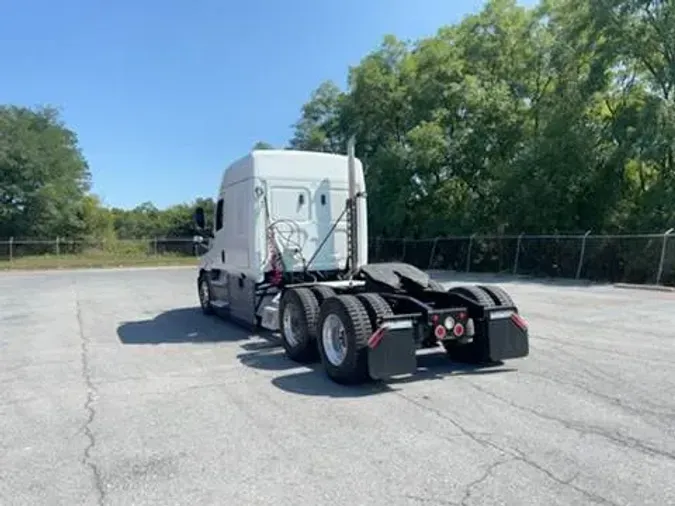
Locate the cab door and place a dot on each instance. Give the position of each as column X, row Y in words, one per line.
column 239, row 232
column 219, row 278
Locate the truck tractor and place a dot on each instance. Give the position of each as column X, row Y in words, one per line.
column 288, row 252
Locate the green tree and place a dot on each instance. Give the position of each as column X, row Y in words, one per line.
column 44, row 177
column 98, row 220
column 558, row 117
column 553, row 118
column 319, row 127
column 262, row 145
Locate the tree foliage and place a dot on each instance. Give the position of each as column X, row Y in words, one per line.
column 554, row 118
column 262, row 145
column 559, row 117
column 43, row 176
column 45, row 183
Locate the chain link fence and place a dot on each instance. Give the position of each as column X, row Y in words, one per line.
column 14, row 248
column 60, row 252
column 643, row 259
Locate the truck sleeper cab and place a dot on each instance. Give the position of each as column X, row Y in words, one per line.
column 288, row 253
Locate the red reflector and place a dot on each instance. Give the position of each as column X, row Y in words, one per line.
column 462, row 316
column 276, row 276
column 376, row 338
column 440, row 332
column 434, row 319
column 458, row 330
column 519, row 321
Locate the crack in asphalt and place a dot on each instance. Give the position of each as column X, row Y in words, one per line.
column 615, row 401
column 430, row 500
column 514, row 454
column 621, row 441
column 487, row 474
column 89, row 404
column 470, row 434
column 582, row 367
column 632, row 356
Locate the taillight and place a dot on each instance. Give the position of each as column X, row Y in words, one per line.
column 440, row 332
column 519, row 321
column 458, row 330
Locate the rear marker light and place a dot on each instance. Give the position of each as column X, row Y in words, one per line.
column 376, row 338
column 519, row 321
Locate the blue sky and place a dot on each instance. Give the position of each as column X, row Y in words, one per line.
column 163, row 95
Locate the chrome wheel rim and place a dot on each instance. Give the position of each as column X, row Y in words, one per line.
column 334, row 339
column 292, row 325
column 204, row 293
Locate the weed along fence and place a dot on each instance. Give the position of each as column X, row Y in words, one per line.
column 63, row 252
column 13, row 248
column 645, row 259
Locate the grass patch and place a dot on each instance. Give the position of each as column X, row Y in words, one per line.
column 95, row 260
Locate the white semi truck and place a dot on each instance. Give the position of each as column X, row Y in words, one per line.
column 288, row 252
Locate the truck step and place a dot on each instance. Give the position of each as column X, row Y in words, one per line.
column 270, row 318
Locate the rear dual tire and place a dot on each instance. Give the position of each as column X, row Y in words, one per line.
column 488, row 297
column 344, row 330
column 498, row 295
column 346, row 323
column 298, row 318
column 316, row 324
column 298, row 314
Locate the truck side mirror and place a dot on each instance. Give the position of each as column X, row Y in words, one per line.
column 199, row 218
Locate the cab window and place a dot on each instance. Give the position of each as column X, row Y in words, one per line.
column 219, row 214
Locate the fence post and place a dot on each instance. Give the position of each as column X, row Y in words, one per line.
column 11, row 249
column 433, row 252
column 58, row 247
column 581, row 255
column 468, row 253
column 405, row 241
column 515, row 262
column 659, row 273
column 155, row 246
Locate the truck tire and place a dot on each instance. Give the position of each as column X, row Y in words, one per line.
column 343, row 332
column 474, row 293
column 204, row 293
column 498, row 295
column 322, row 292
column 376, row 307
column 298, row 314
column 468, row 353
column 436, row 286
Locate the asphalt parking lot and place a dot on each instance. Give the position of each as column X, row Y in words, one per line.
column 115, row 390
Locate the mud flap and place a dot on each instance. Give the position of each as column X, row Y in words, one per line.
column 392, row 350
column 507, row 335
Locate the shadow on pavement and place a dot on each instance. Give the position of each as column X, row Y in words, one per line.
column 437, row 365
column 315, row 383
column 264, row 352
column 312, row 380
column 267, row 355
column 183, row 325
